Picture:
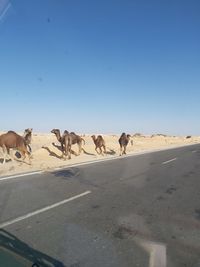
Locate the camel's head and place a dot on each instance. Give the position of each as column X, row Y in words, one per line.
column 123, row 134
column 28, row 130
column 93, row 136
column 128, row 136
column 55, row 131
column 28, row 133
column 66, row 132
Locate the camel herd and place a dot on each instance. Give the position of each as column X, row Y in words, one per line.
column 12, row 140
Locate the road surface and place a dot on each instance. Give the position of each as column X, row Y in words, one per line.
column 133, row 211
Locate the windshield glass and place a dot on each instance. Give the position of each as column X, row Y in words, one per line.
column 99, row 133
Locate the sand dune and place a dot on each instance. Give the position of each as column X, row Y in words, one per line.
column 47, row 153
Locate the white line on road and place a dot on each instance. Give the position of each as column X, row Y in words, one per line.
column 168, row 161
column 194, row 151
column 20, row 175
column 2, row 225
column 157, row 253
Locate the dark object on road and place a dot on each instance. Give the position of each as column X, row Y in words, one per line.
column 123, row 142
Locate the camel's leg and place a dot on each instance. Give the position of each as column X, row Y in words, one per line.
column 10, row 154
column 124, row 150
column 63, row 150
column 69, row 152
column 120, row 150
column 101, row 151
column 23, row 155
column 29, row 157
column 4, row 153
column 104, row 148
column 96, row 150
column 29, row 148
column 64, row 153
column 30, row 152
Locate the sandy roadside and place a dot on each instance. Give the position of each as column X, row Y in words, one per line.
column 47, row 156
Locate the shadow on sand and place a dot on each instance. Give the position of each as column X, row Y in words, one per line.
column 87, row 153
column 14, row 252
column 51, row 153
column 7, row 160
column 111, row 152
column 59, row 148
column 17, row 156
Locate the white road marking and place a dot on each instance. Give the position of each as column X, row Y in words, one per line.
column 194, row 151
column 168, row 161
column 157, row 253
column 20, row 175
column 4, row 224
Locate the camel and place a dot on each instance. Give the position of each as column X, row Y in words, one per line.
column 12, row 140
column 76, row 139
column 67, row 145
column 59, row 137
column 99, row 143
column 123, row 142
column 28, row 137
column 65, row 141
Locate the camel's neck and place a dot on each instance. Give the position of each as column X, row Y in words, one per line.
column 27, row 136
column 58, row 136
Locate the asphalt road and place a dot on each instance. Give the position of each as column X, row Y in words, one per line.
column 142, row 210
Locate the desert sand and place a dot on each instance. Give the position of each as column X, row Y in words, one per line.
column 47, row 155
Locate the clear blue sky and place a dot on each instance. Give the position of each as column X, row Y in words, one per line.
column 100, row 66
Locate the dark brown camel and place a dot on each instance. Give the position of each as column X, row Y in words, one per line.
column 59, row 137
column 99, row 144
column 123, row 142
column 12, row 140
column 76, row 139
column 65, row 141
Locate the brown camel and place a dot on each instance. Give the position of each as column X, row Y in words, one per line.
column 99, row 143
column 12, row 140
column 65, row 141
column 59, row 137
column 123, row 142
column 76, row 139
